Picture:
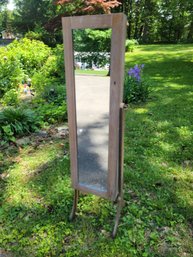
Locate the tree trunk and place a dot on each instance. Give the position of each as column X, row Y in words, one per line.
column 190, row 33
column 129, row 12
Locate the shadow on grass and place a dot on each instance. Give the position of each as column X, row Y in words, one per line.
column 158, row 191
column 157, row 212
column 7, row 159
column 157, row 218
column 36, row 221
column 28, row 222
column 159, row 149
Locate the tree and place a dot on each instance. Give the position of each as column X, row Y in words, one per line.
column 6, row 19
column 147, row 29
column 87, row 7
column 149, row 21
column 79, row 7
column 173, row 20
column 30, row 13
column 3, row 3
column 33, row 15
column 92, row 46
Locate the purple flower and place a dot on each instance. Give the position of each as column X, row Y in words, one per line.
column 135, row 72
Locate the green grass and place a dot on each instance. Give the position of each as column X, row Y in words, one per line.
column 157, row 219
column 91, row 72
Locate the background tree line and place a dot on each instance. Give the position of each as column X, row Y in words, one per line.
column 149, row 21
column 165, row 21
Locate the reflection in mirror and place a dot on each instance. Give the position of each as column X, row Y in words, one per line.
column 92, row 65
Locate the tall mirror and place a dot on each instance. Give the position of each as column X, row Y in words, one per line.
column 94, row 69
column 94, row 47
column 92, row 88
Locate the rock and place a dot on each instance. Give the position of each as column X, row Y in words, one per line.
column 62, row 132
column 4, row 176
column 4, row 253
column 59, row 135
column 23, row 141
column 62, row 129
column 41, row 133
column 52, row 131
column 164, row 164
column 186, row 164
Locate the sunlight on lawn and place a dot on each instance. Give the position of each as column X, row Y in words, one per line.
column 158, row 172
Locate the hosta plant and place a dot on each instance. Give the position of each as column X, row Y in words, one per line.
column 17, row 122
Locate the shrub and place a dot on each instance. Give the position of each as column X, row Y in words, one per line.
column 41, row 82
column 30, row 58
column 136, row 89
column 32, row 54
column 130, row 45
column 10, row 98
column 21, row 59
column 11, row 72
column 58, row 51
column 48, row 75
column 17, row 122
column 52, row 113
column 51, row 74
column 49, row 82
column 33, row 35
column 55, row 93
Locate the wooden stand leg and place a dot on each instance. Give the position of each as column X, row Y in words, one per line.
column 74, row 207
column 120, row 204
column 120, row 200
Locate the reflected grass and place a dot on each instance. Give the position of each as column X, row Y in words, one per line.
column 91, row 72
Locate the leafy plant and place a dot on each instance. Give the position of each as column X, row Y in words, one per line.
column 8, row 133
column 10, row 98
column 21, row 59
column 11, row 71
column 54, row 93
column 17, row 122
column 136, row 89
column 51, row 74
column 31, row 54
column 33, row 35
column 130, row 45
column 52, row 113
column 58, row 51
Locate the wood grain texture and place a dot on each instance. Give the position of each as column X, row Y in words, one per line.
column 116, row 95
column 121, row 149
column 91, row 21
column 71, row 98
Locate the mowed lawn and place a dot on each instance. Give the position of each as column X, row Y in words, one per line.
column 157, row 219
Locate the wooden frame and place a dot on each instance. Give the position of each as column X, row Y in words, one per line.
column 117, row 22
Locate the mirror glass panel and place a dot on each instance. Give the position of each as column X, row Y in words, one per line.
column 92, row 85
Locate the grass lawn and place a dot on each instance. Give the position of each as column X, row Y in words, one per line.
column 157, row 219
column 92, row 72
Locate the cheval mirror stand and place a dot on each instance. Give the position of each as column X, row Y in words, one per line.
column 96, row 115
